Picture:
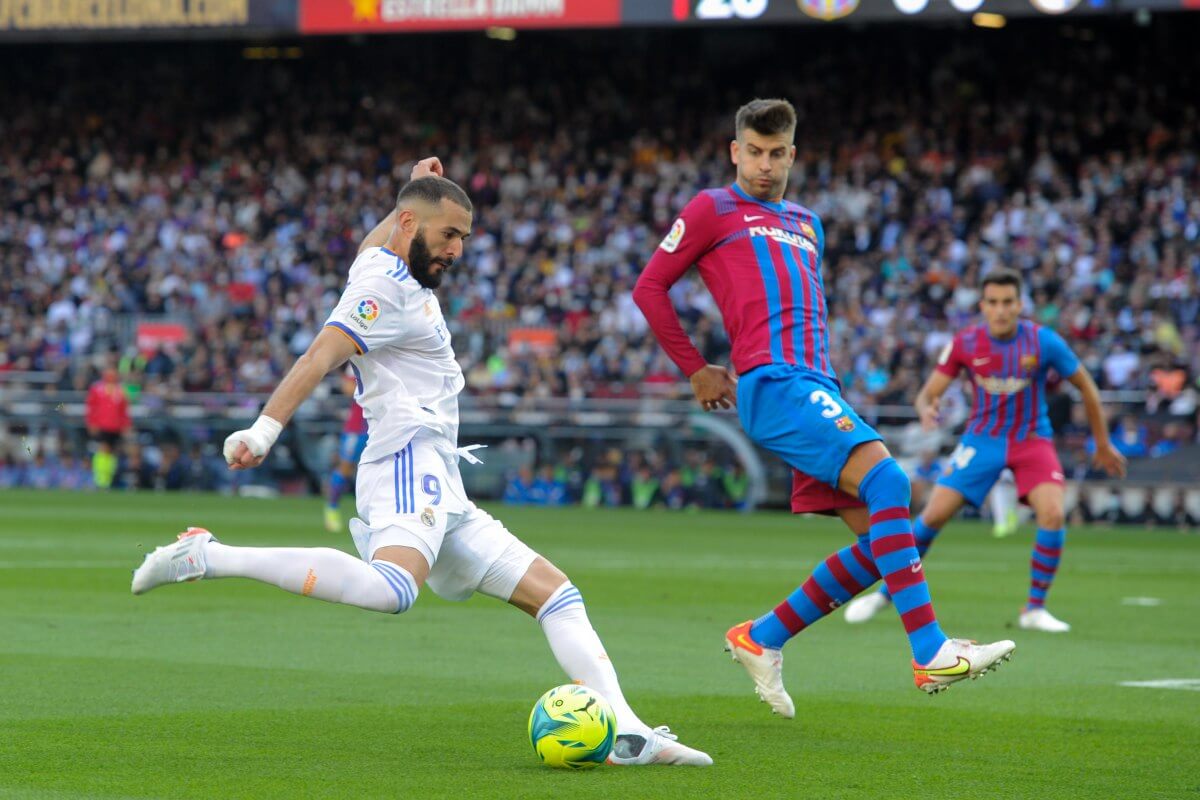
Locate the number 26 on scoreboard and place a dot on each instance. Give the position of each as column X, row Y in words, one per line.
column 728, row 9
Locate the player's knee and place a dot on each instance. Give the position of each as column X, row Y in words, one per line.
column 886, row 486
column 1050, row 518
column 396, row 589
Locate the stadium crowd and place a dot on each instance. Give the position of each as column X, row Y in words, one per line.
column 231, row 202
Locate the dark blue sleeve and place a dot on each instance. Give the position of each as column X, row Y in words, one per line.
column 1057, row 353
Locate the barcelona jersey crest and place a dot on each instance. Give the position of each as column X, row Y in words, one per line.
column 828, row 9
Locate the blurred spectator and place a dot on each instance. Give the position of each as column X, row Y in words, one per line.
column 603, row 488
column 107, row 420
column 1130, row 437
column 518, row 490
column 1173, row 437
column 173, row 469
column 643, row 489
column 548, row 489
column 134, row 470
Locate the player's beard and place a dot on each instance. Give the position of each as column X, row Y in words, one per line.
column 421, row 262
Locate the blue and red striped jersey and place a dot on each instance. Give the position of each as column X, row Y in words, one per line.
column 1008, row 377
column 762, row 263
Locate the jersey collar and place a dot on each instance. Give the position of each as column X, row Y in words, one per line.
column 778, row 208
column 1016, row 333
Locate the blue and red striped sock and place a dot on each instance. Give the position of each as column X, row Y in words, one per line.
column 835, row 580
column 887, row 493
column 923, row 535
column 1047, row 551
column 337, row 487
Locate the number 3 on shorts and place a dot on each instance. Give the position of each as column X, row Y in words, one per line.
column 829, row 406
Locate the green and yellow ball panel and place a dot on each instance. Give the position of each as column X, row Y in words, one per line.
column 572, row 726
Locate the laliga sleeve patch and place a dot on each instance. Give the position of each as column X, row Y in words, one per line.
column 671, row 243
column 944, row 356
column 363, row 314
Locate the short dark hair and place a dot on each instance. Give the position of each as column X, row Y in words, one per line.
column 767, row 117
column 1002, row 277
column 433, row 189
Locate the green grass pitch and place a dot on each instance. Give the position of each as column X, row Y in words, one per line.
column 230, row 689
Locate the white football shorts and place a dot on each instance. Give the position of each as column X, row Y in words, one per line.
column 415, row 498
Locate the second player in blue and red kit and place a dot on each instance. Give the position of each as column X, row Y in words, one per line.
column 760, row 256
column 1006, row 360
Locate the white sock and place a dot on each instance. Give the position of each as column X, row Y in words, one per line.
column 581, row 655
column 320, row 572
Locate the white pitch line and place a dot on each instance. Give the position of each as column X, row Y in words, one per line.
column 1184, row 684
column 1142, row 601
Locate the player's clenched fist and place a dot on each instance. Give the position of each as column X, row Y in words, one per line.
column 426, row 167
column 247, row 448
column 715, row 387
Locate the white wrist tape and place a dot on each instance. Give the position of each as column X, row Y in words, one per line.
column 258, row 438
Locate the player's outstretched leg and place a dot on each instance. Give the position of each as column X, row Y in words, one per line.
column 756, row 645
column 320, row 572
column 863, row 608
column 938, row 661
column 557, row 605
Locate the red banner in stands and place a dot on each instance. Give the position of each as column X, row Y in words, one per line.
column 152, row 335
column 379, row 16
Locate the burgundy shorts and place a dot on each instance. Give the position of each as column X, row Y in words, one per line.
column 811, row 496
column 1034, row 462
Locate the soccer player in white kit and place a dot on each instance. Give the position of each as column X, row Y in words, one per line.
column 417, row 526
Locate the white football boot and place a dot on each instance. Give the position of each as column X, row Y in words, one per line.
column 180, row 561
column 957, row 659
column 1039, row 619
column 765, row 666
column 658, row 746
column 865, row 606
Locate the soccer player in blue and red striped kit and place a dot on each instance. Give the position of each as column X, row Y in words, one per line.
column 760, row 257
column 1006, row 359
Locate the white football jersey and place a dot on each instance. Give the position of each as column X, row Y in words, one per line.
column 408, row 378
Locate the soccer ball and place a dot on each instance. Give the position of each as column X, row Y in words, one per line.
column 572, row 726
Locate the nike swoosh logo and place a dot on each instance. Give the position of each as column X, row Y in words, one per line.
column 917, row 567
column 961, row 668
column 749, row 218
column 747, row 643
